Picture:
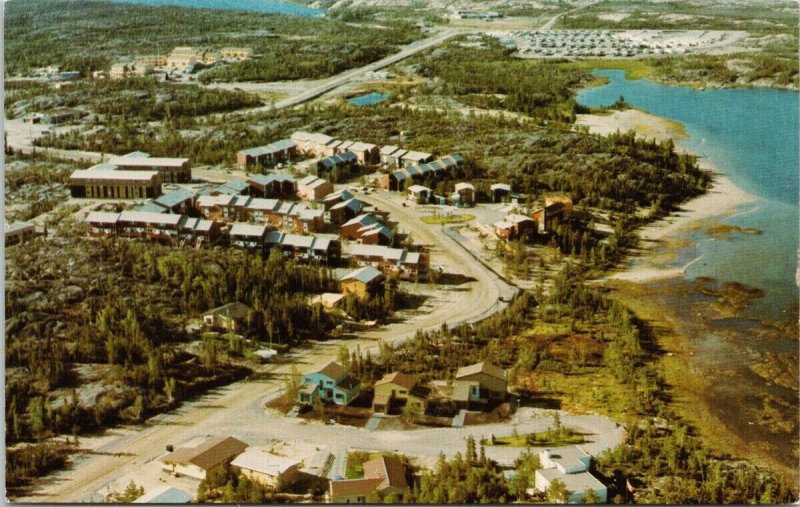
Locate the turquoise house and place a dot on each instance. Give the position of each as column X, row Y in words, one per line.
column 331, row 383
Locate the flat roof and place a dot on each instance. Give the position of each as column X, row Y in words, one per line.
column 264, row 462
column 148, row 161
column 578, row 482
column 145, row 176
column 150, row 217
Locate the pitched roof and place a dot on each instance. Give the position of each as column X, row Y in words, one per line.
column 388, row 468
column 363, row 219
column 150, row 218
column 401, row 379
column 151, row 207
column 207, row 455
column 266, row 179
column 249, row 230
column 354, row 487
column 333, row 370
column 482, row 367
column 103, row 217
column 174, row 198
column 364, row 275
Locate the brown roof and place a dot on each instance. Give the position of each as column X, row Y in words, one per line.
column 333, row 370
column 359, row 487
column 482, row 367
column 401, row 379
column 210, row 453
column 387, row 468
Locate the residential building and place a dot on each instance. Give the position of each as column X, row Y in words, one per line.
column 500, row 191
column 570, row 465
column 343, row 160
column 315, row 145
column 235, row 54
column 232, row 187
column 556, row 209
column 273, row 185
column 135, row 69
column 515, row 226
column 390, row 155
column 366, row 153
column 182, row 57
column 268, row 155
column 345, row 210
column 114, row 184
column 384, row 476
column 266, row 468
column 414, row 158
column 198, row 460
column 492, row 380
column 397, row 387
column 18, row 232
column 310, row 248
column 350, row 229
column 408, row 265
column 362, row 282
column 248, row 236
column 312, row 188
column 419, row 194
column 331, row 383
column 405, row 176
column 335, row 198
column 466, row 193
column 231, row 317
column 218, row 207
column 329, row 300
column 153, row 60
column 180, row 201
column 172, row 228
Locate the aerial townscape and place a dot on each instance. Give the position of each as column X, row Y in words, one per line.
column 401, row 251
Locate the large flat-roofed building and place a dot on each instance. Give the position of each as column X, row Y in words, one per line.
column 183, row 56
column 172, row 170
column 115, row 184
column 229, row 54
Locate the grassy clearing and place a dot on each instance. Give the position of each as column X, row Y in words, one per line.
column 451, row 219
column 547, row 438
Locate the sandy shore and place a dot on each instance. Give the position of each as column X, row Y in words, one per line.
column 721, row 200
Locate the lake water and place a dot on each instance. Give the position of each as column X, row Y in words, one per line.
column 751, row 135
column 369, row 99
column 266, row 6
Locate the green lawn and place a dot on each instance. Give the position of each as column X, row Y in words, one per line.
column 450, row 219
column 542, row 439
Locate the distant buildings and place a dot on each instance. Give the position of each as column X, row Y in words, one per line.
column 18, row 232
column 171, row 228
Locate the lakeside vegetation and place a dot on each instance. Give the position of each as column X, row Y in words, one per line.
column 88, row 35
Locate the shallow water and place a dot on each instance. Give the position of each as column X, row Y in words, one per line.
column 751, row 135
column 369, row 99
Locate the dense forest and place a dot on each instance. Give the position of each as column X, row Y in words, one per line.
column 88, row 35
column 115, row 314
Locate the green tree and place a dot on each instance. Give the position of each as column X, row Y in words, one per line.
column 590, row 496
column 557, row 492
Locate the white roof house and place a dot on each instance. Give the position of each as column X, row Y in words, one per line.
column 464, row 186
column 570, row 465
column 263, row 462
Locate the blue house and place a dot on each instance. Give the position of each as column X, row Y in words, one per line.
column 331, row 383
